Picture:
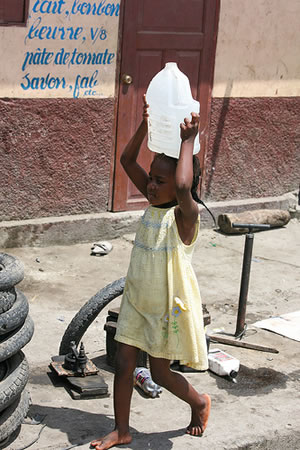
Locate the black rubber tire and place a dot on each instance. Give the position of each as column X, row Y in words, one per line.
column 15, row 374
column 11, row 271
column 15, row 316
column 7, row 299
column 12, row 417
column 17, row 339
column 88, row 313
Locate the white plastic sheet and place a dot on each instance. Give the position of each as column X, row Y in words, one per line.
column 286, row 324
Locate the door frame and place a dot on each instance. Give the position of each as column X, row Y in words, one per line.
column 116, row 108
column 209, row 54
column 204, row 90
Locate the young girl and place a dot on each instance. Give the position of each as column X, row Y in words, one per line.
column 161, row 311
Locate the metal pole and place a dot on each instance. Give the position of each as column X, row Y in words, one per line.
column 240, row 323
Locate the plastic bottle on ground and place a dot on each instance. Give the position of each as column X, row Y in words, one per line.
column 223, row 364
column 142, row 379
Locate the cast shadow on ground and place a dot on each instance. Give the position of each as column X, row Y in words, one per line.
column 250, row 382
column 102, row 364
column 93, row 426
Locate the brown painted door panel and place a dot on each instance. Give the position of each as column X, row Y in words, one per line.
column 156, row 32
column 12, row 11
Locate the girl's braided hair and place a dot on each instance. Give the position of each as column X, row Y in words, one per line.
column 196, row 179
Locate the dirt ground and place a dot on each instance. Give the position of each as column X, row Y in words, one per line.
column 260, row 411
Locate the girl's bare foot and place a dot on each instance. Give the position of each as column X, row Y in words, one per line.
column 112, row 439
column 200, row 417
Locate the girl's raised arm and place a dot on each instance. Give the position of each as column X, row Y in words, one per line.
column 129, row 156
column 187, row 211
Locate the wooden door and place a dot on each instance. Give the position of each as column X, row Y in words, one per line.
column 156, row 32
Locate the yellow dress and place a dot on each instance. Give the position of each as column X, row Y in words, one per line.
column 161, row 310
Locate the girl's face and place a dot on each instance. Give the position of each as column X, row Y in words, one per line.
column 161, row 183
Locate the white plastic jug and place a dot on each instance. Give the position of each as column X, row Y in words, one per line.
column 170, row 100
column 223, row 364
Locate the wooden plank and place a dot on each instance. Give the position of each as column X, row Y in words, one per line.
column 247, row 345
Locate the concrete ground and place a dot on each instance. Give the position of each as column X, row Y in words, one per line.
column 260, row 411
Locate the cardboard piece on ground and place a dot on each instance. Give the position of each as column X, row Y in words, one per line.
column 286, row 324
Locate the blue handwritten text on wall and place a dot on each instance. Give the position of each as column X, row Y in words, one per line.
column 48, row 82
column 63, row 58
column 36, row 31
column 78, row 7
column 48, row 6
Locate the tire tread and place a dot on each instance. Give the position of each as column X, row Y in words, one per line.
column 88, row 313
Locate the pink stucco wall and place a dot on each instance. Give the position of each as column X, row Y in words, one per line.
column 254, row 148
column 56, row 153
column 55, row 156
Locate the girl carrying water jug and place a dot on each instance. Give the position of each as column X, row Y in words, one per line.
column 161, row 310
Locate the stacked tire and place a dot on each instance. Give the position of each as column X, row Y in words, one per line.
column 16, row 330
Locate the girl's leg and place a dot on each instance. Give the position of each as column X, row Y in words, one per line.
column 179, row 386
column 123, row 384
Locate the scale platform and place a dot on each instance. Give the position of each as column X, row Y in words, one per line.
column 90, row 386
